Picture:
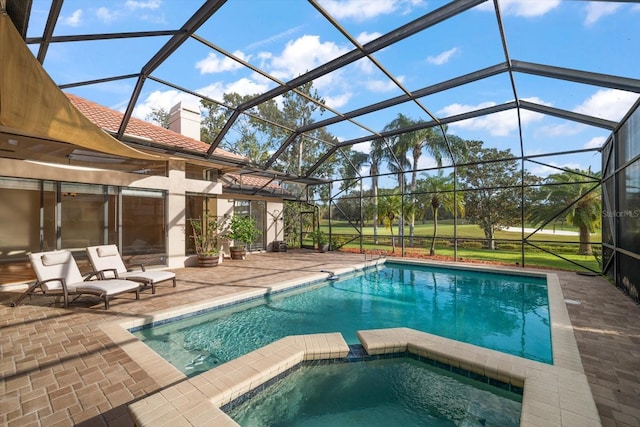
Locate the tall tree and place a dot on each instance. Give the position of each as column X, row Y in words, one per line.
column 259, row 132
column 247, row 137
column 352, row 163
column 492, row 189
column 298, row 111
column 395, row 156
column 575, row 196
column 159, row 116
column 443, row 196
column 390, row 208
column 349, row 207
column 429, row 141
column 376, row 155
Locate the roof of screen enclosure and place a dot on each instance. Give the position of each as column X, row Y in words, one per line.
column 494, row 64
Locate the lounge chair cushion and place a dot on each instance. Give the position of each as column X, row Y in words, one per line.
column 55, row 265
column 154, row 276
column 106, row 287
column 106, row 257
column 55, row 258
column 109, row 250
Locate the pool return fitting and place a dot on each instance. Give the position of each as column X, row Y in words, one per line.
column 332, row 275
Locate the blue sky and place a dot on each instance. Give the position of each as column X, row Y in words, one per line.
column 285, row 38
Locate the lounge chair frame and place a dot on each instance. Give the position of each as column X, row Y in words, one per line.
column 107, row 260
column 91, row 283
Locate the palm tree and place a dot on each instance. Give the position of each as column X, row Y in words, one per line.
column 390, row 208
column 375, row 159
column 428, row 140
column 442, row 196
column 574, row 193
column 397, row 165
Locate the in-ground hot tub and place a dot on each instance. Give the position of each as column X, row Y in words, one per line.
column 382, row 392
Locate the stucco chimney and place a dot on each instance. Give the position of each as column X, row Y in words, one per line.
column 184, row 118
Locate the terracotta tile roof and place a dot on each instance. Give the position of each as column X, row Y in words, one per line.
column 110, row 120
column 250, row 181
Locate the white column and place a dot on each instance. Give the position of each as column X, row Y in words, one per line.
column 175, row 221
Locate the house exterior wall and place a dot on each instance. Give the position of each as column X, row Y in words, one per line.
column 175, row 186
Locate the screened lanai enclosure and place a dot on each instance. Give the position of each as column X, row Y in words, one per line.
column 497, row 131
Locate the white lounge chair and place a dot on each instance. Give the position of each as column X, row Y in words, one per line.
column 108, row 261
column 59, row 275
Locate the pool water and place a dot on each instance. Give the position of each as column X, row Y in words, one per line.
column 401, row 392
column 508, row 313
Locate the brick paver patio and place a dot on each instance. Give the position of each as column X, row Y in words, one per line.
column 59, row 368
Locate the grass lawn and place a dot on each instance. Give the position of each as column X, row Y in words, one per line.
column 508, row 252
column 446, row 229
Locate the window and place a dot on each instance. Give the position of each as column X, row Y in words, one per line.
column 257, row 209
column 19, row 219
column 82, row 217
column 143, row 222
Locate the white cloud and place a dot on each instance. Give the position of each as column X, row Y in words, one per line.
column 216, row 64
column 425, row 162
column 361, row 10
column 497, row 124
column 338, row 101
column 453, row 109
column 242, row 87
column 307, row 53
column 214, row 90
column 105, row 15
column 443, row 57
column 363, row 147
column 364, row 37
column 564, row 129
column 246, row 86
column 137, row 4
column 597, row 10
column 380, row 86
column 595, row 142
column 610, row 104
column 302, row 55
column 74, row 19
column 162, row 99
column 366, row 65
column 524, row 8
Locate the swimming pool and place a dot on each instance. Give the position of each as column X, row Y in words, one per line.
column 399, row 391
column 504, row 312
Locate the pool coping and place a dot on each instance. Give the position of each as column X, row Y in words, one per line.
column 556, row 394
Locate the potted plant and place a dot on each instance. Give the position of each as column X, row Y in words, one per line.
column 243, row 231
column 205, row 235
column 320, row 240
